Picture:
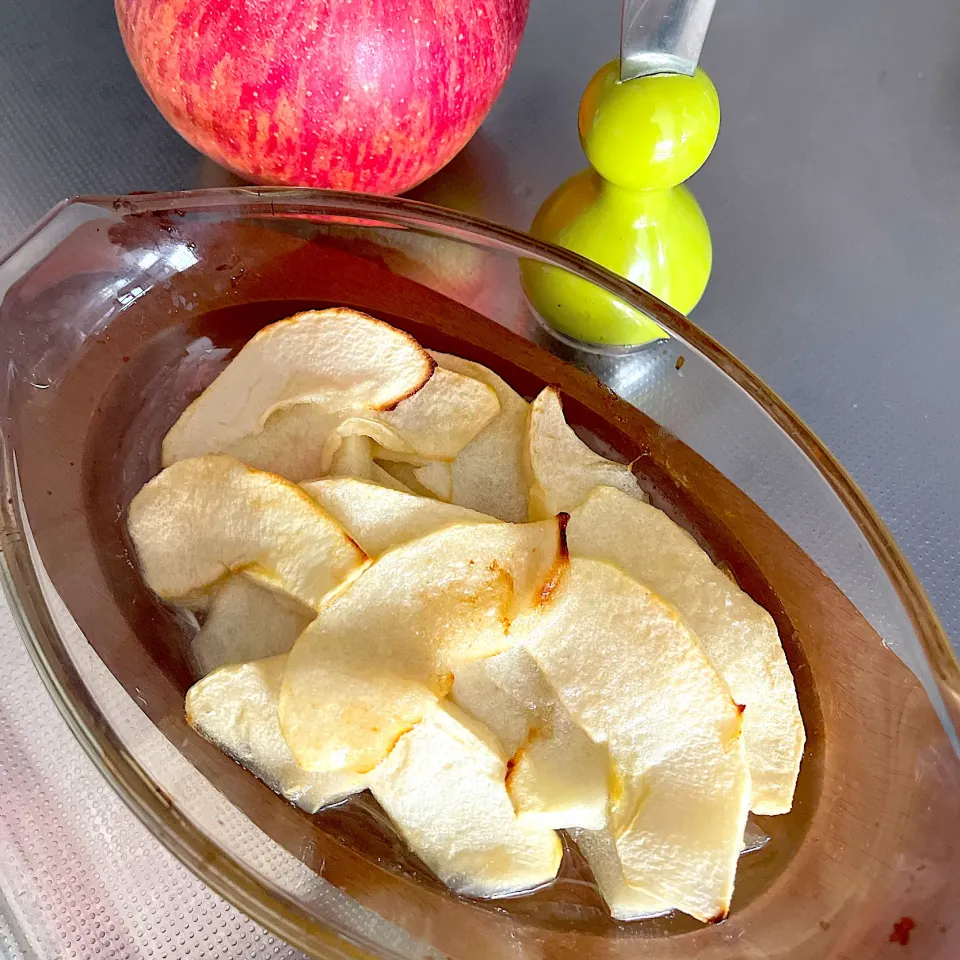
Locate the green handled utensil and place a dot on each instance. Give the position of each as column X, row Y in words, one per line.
column 647, row 123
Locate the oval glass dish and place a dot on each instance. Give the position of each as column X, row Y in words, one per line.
column 116, row 312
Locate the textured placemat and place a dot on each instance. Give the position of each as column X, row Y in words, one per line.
column 79, row 875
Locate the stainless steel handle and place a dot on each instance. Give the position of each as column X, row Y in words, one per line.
column 662, row 36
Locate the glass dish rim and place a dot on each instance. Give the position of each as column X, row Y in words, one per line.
column 153, row 807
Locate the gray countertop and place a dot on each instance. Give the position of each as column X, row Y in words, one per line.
column 834, row 200
column 833, row 196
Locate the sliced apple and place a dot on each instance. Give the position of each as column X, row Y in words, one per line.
column 443, row 788
column 436, row 477
column 487, row 474
column 634, row 677
column 235, row 708
column 275, row 404
column 388, row 457
column 403, row 475
column 738, row 635
column 435, row 423
column 599, row 849
column 379, row 519
column 558, row 777
column 247, row 621
column 296, row 443
column 562, row 468
column 201, row 520
column 476, row 693
column 354, row 458
column 384, row 649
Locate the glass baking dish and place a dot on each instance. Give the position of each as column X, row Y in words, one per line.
column 116, row 312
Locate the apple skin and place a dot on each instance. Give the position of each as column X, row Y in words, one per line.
column 365, row 95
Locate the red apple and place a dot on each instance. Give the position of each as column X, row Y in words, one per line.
column 371, row 95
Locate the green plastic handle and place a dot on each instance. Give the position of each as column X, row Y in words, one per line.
column 628, row 212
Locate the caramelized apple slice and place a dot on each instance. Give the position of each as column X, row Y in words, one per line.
column 235, row 708
column 384, row 649
column 443, row 787
column 634, row 677
column 738, row 635
column 203, row 519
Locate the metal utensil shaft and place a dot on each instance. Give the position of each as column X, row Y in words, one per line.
column 662, row 36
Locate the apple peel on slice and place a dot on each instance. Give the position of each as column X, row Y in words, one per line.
column 634, row 677
column 737, row 634
column 558, row 777
column 235, row 708
column 487, row 474
column 562, row 469
column 379, row 519
column 247, row 621
column 384, row 649
column 275, row 404
column 443, row 787
column 201, row 520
